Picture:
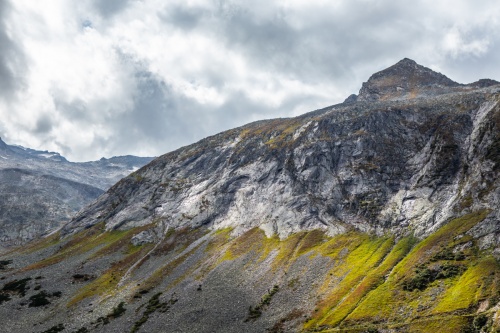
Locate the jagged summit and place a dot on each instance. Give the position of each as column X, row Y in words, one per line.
column 404, row 79
column 365, row 216
column 407, row 79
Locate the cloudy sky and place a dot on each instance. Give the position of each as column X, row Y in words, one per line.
column 97, row 78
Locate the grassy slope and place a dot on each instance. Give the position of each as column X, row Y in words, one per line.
column 365, row 287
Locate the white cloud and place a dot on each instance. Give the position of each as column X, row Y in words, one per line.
column 98, row 78
column 456, row 44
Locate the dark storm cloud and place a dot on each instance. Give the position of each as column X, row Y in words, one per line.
column 109, row 8
column 169, row 73
column 167, row 119
column 43, row 125
column 10, row 57
column 186, row 18
column 327, row 44
column 75, row 109
column 158, row 117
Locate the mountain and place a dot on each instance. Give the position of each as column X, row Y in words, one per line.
column 379, row 214
column 41, row 190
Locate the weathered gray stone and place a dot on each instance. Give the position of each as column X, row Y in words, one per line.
column 398, row 163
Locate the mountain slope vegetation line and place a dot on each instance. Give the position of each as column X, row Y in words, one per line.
column 379, row 214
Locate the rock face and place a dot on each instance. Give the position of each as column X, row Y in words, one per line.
column 40, row 190
column 407, row 79
column 379, row 214
column 385, row 164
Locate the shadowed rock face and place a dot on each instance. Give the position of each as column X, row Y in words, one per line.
column 368, row 216
column 40, row 190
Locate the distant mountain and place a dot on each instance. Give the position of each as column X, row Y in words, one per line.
column 380, row 214
column 40, row 190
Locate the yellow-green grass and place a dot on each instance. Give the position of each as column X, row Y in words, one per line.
column 87, row 241
column 285, row 251
column 119, row 240
column 372, row 280
column 476, row 284
column 253, row 240
column 36, row 245
column 107, row 282
column 176, row 240
column 445, row 236
column 442, row 324
column 162, row 272
column 389, row 303
column 346, row 276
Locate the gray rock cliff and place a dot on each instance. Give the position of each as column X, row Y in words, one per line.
column 413, row 149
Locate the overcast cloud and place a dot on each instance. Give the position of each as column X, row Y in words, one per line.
column 100, row 78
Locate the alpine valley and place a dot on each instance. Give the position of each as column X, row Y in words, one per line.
column 380, row 214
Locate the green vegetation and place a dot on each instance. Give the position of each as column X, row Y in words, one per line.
column 82, row 277
column 479, row 282
column 81, row 330
column 55, row 329
column 40, row 299
column 108, row 280
column 118, row 311
column 255, row 312
column 362, row 270
column 4, row 264
column 154, row 304
column 41, row 244
column 425, row 276
column 367, row 283
column 95, row 241
column 17, row 286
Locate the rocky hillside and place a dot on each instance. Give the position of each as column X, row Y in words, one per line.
column 41, row 190
column 399, row 166
column 379, row 214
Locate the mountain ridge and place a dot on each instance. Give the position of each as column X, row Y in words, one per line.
column 41, row 190
column 273, row 137
column 367, row 216
column 406, row 79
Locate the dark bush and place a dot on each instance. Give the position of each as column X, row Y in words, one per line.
column 154, row 304
column 4, row 264
column 425, row 276
column 17, row 286
column 480, row 321
column 4, row 298
column 256, row 311
column 55, row 329
column 39, row 299
column 118, row 311
column 82, row 330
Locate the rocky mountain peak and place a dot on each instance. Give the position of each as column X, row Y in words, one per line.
column 405, row 79
column 357, row 216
